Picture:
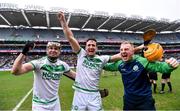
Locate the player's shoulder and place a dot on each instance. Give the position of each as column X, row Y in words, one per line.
column 139, row 58
column 60, row 62
column 103, row 56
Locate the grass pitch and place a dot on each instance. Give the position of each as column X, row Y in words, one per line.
column 14, row 88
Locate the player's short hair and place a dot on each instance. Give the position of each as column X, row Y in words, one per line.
column 128, row 42
column 55, row 44
column 93, row 39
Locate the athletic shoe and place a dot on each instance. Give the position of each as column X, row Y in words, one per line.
column 169, row 91
column 162, row 92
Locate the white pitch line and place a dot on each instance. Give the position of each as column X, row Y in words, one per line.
column 22, row 100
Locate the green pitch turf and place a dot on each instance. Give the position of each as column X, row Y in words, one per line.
column 14, row 88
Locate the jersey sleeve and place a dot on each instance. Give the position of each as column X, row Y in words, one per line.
column 105, row 58
column 34, row 64
column 67, row 68
column 161, row 67
column 157, row 66
column 81, row 53
column 113, row 66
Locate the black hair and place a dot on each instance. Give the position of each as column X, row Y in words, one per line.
column 93, row 39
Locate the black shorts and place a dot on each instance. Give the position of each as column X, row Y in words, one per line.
column 153, row 76
column 166, row 75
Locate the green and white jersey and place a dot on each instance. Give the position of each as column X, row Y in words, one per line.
column 46, row 79
column 88, row 71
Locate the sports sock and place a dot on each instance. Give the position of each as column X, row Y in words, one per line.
column 155, row 86
column 170, row 87
column 163, row 85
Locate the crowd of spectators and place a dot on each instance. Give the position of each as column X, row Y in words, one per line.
column 6, row 61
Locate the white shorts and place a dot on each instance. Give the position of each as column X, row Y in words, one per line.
column 55, row 106
column 87, row 101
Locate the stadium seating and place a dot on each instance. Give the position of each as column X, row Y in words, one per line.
column 12, row 41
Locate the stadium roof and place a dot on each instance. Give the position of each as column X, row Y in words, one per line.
column 35, row 16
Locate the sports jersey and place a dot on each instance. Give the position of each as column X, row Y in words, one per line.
column 134, row 76
column 88, row 71
column 46, row 79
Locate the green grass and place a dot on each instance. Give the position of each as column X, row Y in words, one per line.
column 14, row 88
column 169, row 101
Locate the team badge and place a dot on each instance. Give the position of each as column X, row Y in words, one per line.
column 135, row 68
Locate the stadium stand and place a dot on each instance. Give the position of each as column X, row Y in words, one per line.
column 34, row 23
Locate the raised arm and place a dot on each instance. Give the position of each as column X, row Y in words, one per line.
column 115, row 57
column 163, row 67
column 118, row 56
column 113, row 66
column 18, row 67
column 139, row 48
column 68, row 33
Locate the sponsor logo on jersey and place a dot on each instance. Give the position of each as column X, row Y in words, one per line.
column 52, row 72
column 93, row 63
column 51, row 76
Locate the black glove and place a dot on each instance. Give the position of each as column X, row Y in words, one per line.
column 142, row 51
column 147, row 42
column 27, row 47
column 104, row 92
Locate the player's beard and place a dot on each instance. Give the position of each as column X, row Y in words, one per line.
column 52, row 59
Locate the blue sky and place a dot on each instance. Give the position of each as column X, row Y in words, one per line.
column 154, row 8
